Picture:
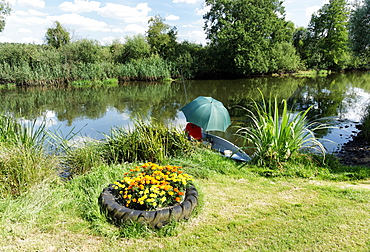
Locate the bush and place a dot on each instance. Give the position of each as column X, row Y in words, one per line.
column 152, row 141
column 277, row 137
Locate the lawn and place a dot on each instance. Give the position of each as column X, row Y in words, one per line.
column 238, row 210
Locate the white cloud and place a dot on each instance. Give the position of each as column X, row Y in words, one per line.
column 30, row 12
column 186, row 1
column 172, row 17
column 310, row 10
column 32, row 3
column 80, row 21
column 26, row 20
column 134, row 28
column 4, row 39
column 203, row 10
column 79, row 6
column 37, row 13
column 196, row 37
column 109, row 40
column 11, row 2
column 126, row 13
column 313, row 9
column 188, row 25
column 24, row 30
column 31, row 40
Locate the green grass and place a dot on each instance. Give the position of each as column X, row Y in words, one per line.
column 23, row 163
column 303, row 206
column 112, row 82
column 239, row 211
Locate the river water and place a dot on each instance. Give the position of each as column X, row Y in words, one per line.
column 92, row 111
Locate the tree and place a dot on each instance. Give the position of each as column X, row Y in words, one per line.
column 57, row 36
column 83, row 51
column 4, row 11
column 135, row 47
column 329, row 36
column 359, row 29
column 243, row 34
column 161, row 37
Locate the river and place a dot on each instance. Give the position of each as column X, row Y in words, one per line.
column 338, row 99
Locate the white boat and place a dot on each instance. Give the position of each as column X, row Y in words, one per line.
column 226, row 148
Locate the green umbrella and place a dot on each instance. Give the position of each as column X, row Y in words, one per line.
column 207, row 113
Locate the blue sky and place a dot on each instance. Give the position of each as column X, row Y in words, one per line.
column 105, row 20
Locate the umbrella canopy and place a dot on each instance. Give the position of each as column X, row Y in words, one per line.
column 207, row 113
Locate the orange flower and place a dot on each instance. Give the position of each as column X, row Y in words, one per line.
column 178, row 199
column 180, row 193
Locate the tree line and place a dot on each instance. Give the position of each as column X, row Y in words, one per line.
column 244, row 37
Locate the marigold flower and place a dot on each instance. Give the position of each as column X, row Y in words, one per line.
column 178, row 199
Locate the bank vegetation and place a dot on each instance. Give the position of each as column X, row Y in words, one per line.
column 335, row 40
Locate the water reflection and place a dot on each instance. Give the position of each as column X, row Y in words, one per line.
column 338, row 98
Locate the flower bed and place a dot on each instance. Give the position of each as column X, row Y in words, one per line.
column 150, row 194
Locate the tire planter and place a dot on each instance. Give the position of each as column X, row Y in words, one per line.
column 119, row 214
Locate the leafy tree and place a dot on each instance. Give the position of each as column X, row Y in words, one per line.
column 4, row 11
column 329, row 36
column 359, row 29
column 135, row 47
column 243, row 34
column 300, row 41
column 57, row 36
column 161, row 37
column 83, row 51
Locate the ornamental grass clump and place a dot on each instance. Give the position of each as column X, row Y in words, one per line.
column 151, row 186
column 277, row 137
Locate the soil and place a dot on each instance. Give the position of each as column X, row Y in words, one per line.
column 356, row 151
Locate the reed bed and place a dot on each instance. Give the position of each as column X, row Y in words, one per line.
column 24, row 64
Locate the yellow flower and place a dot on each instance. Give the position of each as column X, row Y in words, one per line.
column 171, row 193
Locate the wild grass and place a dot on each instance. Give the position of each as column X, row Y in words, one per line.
column 112, row 82
column 239, row 209
column 26, row 64
column 23, row 163
column 150, row 141
column 277, row 137
column 147, row 69
column 294, row 210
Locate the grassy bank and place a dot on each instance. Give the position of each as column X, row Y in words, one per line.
column 301, row 204
column 239, row 210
